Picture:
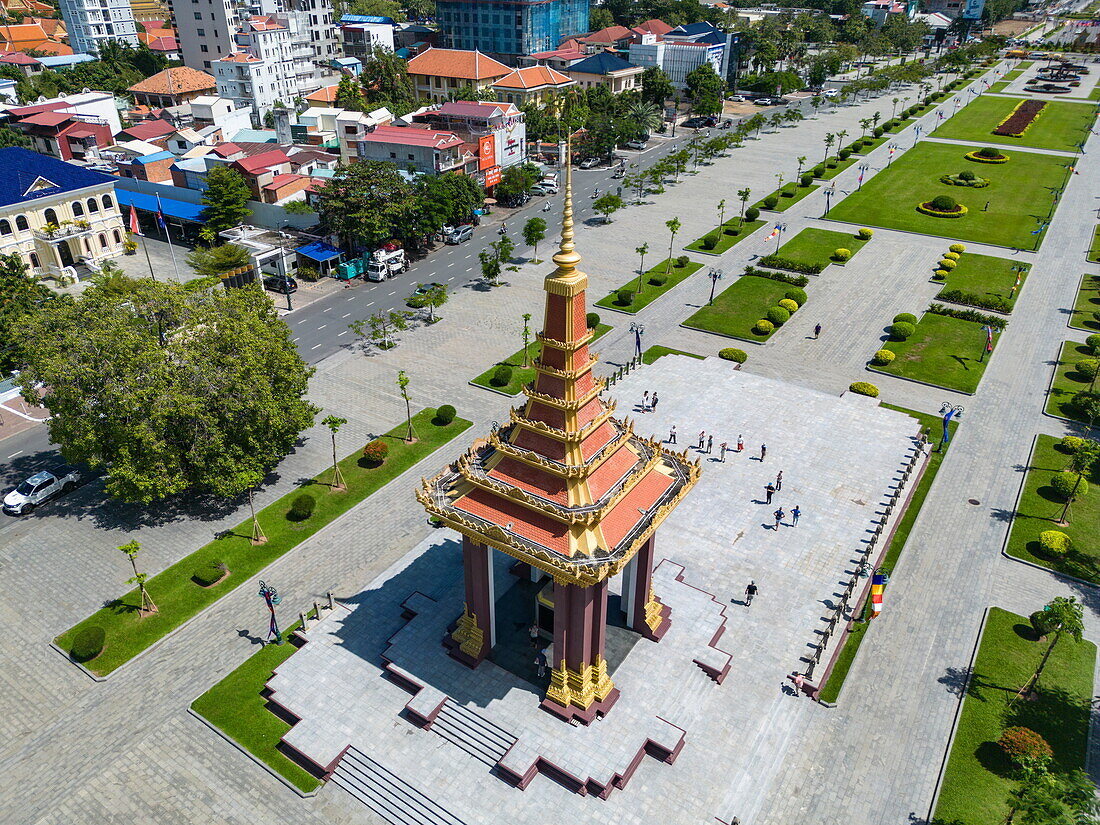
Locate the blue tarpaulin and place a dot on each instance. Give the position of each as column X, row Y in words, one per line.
column 319, row 251
column 172, row 208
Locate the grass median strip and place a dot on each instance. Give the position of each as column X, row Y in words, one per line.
column 816, row 246
column 654, row 283
column 1061, row 126
column 979, row 775
column 985, row 282
column 1086, row 304
column 737, row 308
column 786, row 197
column 1094, row 250
column 1068, row 382
column 942, row 351
column 733, row 232
column 179, row 597
column 517, row 374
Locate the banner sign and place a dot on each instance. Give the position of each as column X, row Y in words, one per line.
column 486, row 152
column 973, row 9
column 492, row 176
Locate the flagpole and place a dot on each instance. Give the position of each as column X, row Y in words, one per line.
column 135, row 229
column 168, row 237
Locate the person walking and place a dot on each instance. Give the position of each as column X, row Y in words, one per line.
column 740, row 444
column 750, row 592
column 769, row 491
column 763, row 451
column 799, row 680
column 540, row 661
column 779, row 481
column 672, row 434
column 779, row 517
column 710, row 443
column 645, row 401
column 533, row 632
column 653, row 403
column 795, row 513
column 817, row 331
column 702, row 439
column 722, row 451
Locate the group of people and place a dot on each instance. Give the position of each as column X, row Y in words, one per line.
column 706, row 443
column 649, row 401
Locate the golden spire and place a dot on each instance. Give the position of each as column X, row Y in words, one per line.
column 567, row 257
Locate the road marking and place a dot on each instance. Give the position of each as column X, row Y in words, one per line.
column 348, row 315
column 392, row 293
column 315, row 346
column 13, row 455
column 350, row 298
column 451, row 278
column 452, row 263
column 345, row 332
column 321, row 327
column 326, row 309
column 371, row 304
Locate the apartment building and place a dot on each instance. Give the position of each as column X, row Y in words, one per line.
column 90, row 22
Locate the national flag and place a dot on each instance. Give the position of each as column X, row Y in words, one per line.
column 1040, row 229
column 160, row 214
column 1019, row 275
column 891, row 151
column 135, row 227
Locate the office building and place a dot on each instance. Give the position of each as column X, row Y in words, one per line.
column 510, row 30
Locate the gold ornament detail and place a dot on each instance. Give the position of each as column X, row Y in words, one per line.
column 583, row 689
column 653, row 611
column 469, row 636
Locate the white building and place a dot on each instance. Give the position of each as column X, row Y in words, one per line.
column 94, row 104
column 205, row 31
column 90, row 22
column 677, row 60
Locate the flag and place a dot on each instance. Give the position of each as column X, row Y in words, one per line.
column 989, row 339
column 135, row 227
column 775, row 233
column 160, row 214
column 1040, row 229
column 891, row 151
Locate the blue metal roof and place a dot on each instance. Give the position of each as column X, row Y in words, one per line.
column 367, row 18
column 153, row 157
column 319, row 251
column 172, row 207
column 600, row 63
column 20, row 170
column 53, row 61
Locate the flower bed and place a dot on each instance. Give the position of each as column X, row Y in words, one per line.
column 958, row 180
column 980, row 158
column 1019, row 120
column 927, row 209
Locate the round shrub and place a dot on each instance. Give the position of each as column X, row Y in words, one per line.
column 1023, row 745
column 771, row 202
column 951, row 256
column 819, row 170
column 658, row 279
column 882, row 357
column 1064, row 485
column 777, row 315
column 789, row 305
column 1088, row 368
column 944, row 203
column 732, row 230
column 989, row 152
column 796, row 294
column 957, row 247
column 1071, row 443
column 710, row 240
column 865, row 234
column 841, row 255
column 878, row 131
column 301, row 507
column 682, row 261
column 1054, row 543
column 1093, row 343
column 1041, row 622
column 209, row 573
column 592, row 320
column 831, row 163
column 939, row 275
column 806, row 179
column 502, row 375
column 845, row 153
column 907, row 317
column 966, row 174
column 376, row 451
column 88, row 643
column 624, row 297
column 733, row 354
column 446, row 413
column 752, row 213
column 948, row 264
column 901, row 330
column 763, row 327
column 863, row 388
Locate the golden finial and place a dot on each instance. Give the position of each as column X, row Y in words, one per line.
column 567, row 257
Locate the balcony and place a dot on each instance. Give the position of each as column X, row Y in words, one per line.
column 52, row 232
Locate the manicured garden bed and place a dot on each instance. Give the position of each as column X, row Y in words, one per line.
column 726, row 240
column 943, row 351
column 1039, row 507
column 841, row 165
column 1019, row 195
column 650, row 292
column 816, row 246
column 979, row 775
column 1068, row 382
column 1088, row 302
column 785, row 203
column 178, row 597
column 983, row 279
column 236, row 707
column 521, row 375
column 738, row 307
column 1094, row 250
column 658, row 351
column 1061, row 126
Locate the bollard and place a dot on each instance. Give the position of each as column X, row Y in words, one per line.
column 316, row 610
column 330, row 604
column 302, row 619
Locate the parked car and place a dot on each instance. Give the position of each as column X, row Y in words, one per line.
column 765, row 101
column 544, row 188
column 698, row 122
column 736, row 98
column 589, row 163
column 638, row 145
column 831, row 92
column 39, row 488
column 460, row 234
column 284, row 286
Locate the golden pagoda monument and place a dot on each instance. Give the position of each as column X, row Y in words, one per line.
column 570, row 491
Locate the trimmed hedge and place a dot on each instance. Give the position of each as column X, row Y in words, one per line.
column 375, row 452
column 592, row 319
column 907, row 317
column 882, row 357
column 1054, row 543
column 794, row 280
column 763, row 327
column 771, row 202
column 901, row 330
column 796, row 295
column 968, row 315
column 209, row 573
column 751, row 214
column 446, row 414
column 865, row 234
column 301, row 508
column 948, row 264
column 1093, row 343
column 660, row 279
column 777, row 315
column 733, row 354
column 789, row 305
column 974, row 299
column 841, row 255
column 502, row 376
column 957, row 247
column 88, row 643
column 779, row 262
column 863, row 388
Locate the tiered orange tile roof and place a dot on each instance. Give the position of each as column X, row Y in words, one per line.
column 457, row 63
column 533, row 77
column 183, row 79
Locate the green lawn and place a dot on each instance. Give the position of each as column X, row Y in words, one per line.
column 816, row 246
column 738, row 307
column 1062, row 125
column 1068, row 382
column 1094, row 250
column 727, row 239
column 1040, row 506
column 933, row 423
column 979, row 776
column 178, row 597
column 657, row 351
column 998, row 86
column 841, row 165
column 1095, row 93
column 235, row 707
column 522, row 375
column 1088, row 302
column 986, row 276
column 650, row 291
column 1019, row 194
column 785, row 203
column 943, row 351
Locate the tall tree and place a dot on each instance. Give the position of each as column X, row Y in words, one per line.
column 607, row 205
column 21, row 297
column 169, row 389
column 349, row 94
column 131, row 549
column 1062, row 615
column 599, row 18
column 656, row 87
column 673, row 226
column 533, row 232
column 403, row 386
column 225, row 199
column 334, row 423
column 706, row 89
column 367, row 203
column 386, row 82
column 216, row 261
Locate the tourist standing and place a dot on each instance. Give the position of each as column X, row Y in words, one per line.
column 799, row 680
column 540, row 660
column 779, row 481
column 722, row 451
column 779, row 518
column 817, row 331
column 653, row 403
column 672, row 434
column 710, row 443
column 645, row 401
column 750, row 592
column 740, row 444
column 763, row 451
column 769, row 491
column 702, row 439
column 795, row 513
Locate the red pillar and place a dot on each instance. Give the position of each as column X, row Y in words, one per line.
column 643, row 585
column 475, row 633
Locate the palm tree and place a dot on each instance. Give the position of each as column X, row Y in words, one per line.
column 721, row 212
column 894, row 107
column 743, row 196
column 526, row 336
column 843, row 133
column 864, row 124
column 801, row 162
column 642, row 251
column 646, row 115
column 816, row 102
column 673, row 227
column 830, row 139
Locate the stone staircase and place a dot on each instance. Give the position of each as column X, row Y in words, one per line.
column 387, row 794
column 473, row 733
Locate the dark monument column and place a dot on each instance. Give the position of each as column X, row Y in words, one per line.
column 647, row 615
column 475, row 632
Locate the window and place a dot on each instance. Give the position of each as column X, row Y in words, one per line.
column 393, row 155
column 93, row 205
column 198, row 15
column 201, row 32
column 118, row 237
column 108, row 202
column 21, row 223
column 50, row 216
column 202, row 47
column 5, row 228
column 102, row 241
column 34, row 260
column 78, row 208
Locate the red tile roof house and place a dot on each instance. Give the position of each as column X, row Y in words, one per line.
column 283, row 186
column 417, row 148
column 262, row 169
column 153, row 131
column 66, row 135
column 436, row 73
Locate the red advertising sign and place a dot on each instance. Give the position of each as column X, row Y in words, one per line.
column 492, row 176
column 486, row 152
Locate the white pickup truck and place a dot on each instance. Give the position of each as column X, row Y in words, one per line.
column 39, row 488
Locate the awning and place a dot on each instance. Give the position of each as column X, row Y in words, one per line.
column 171, row 207
column 319, row 251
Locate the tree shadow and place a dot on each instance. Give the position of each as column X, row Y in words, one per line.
column 955, row 679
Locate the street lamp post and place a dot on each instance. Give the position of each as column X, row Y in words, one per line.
column 948, row 411
column 271, row 596
column 893, row 147
column 782, row 227
column 715, row 276
column 286, row 286
column 639, row 331
column 828, row 199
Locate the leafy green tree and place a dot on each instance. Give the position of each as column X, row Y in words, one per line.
column 386, row 82
column 14, row 137
column 490, row 266
column 349, row 94
column 298, row 208
column 380, row 8
column 131, row 549
column 446, row 199
column 642, row 251
column 644, row 114
column 215, row 261
column 21, row 297
column 706, row 89
column 225, row 200
column 533, row 232
column 1080, row 463
column 656, row 86
column 367, row 203
column 515, row 181
column 334, row 423
column 403, row 387
column 526, row 337
column 169, row 389
column 381, row 327
column 607, row 206
column 743, row 195
column 673, row 227
column 1063, row 615
column 599, row 18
